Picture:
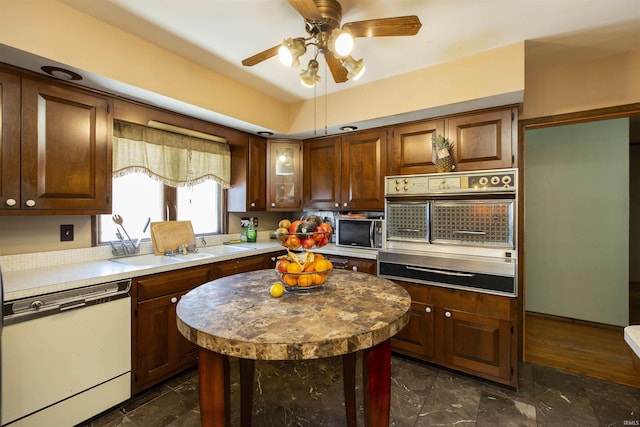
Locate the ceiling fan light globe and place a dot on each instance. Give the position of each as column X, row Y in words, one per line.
column 355, row 68
column 290, row 51
column 309, row 77
column 284, row 54
column 344, row 44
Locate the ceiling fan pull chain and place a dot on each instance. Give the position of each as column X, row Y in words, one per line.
column 326, row 99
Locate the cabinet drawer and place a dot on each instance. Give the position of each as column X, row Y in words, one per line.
column 175, row 281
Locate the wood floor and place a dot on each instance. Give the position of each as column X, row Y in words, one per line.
column 597, row 351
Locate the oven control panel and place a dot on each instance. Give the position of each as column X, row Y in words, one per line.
column 487, row 181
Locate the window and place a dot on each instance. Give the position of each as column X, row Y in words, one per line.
column 138, row 198
column 188, row 173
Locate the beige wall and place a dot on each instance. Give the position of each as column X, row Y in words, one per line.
column 581, row 86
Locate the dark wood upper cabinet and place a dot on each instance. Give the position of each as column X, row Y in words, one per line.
column 284, row 175
column 346, row 173
column 484, row 140
column 322, row 173
column 248, row 190
column 411, row 148
column 9, row 142
column 364, row 166
column 56, row 149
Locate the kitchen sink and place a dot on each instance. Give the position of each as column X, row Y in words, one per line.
column 149, row 260
column 223, row 249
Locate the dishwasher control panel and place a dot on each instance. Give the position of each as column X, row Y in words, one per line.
column 45, row 305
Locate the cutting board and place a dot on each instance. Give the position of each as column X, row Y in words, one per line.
column 170, row 234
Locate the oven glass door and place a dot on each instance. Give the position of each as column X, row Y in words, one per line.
column 488, row 223
column 407, row 221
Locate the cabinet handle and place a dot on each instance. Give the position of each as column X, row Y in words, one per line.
column 31, row 203
column 344, row 204
column 337, row 205
column 447, row 314
column 273, row 204
column 174, row 300
column 11, row 202
column 354, row 268
column 428, row 309
column 253, row 205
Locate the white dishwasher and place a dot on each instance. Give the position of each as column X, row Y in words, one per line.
column 66, row 356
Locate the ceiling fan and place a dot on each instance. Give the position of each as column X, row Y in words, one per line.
column 322, row 23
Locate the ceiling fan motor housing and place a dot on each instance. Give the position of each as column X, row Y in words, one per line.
column 331, row 12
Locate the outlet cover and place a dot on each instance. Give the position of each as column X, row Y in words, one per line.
column 66, row 233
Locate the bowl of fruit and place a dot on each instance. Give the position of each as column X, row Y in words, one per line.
column 304, row 234
column 304, row 271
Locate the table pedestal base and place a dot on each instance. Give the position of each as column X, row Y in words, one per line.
column 213, row 369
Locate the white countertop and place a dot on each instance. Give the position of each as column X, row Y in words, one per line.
column 51, row 277
column 632, row 337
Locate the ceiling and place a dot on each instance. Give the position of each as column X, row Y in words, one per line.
column 219, row 34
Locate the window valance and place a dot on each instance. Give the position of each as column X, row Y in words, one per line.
column 176, row 160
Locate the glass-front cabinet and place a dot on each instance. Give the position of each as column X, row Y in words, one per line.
column 284, row 178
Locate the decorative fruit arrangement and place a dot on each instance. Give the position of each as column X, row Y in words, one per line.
column 303, row 271
column 304, row 233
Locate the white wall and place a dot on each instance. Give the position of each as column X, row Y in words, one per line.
column 577, row 221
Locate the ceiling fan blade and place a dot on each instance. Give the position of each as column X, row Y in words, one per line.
column 307, row 8
column 259, row 57
column 398, row 26
column 338, row 72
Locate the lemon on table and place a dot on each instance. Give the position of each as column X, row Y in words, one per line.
column 276, row 290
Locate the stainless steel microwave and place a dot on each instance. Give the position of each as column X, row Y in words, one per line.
column 360, row 232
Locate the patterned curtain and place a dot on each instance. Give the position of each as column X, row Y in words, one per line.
column 176, row 160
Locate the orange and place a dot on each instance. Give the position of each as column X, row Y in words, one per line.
column 323, row 265
column 319, row 278
column 290, row 279
column 317, row 257
column 294, row 267
column 311, row 266
column 305, row 280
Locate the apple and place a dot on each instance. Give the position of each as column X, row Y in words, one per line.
column 308, row 243
column 294, row 226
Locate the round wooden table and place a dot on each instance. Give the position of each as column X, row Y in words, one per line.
column 235, row 316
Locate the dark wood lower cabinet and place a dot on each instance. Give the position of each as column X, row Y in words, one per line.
column 158, row 349
column 467, row 331
column 417, row 338
column 355, row 264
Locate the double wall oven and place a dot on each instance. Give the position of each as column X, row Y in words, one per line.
column 456, row 230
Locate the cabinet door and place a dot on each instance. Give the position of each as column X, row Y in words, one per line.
column 417, row 338
column 257, row 177
column 9, row 141
column 322, row 160
column 284, row 178
column 483, row 140
column 476, row 343
column 66, row 149
column 411, row 148
column 159, row 349
column 158, row 339
column 364, row 166
column 242, row 265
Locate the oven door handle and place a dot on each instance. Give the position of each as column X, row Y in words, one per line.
column 475, row 233
column 411, row 230
column 448, row 273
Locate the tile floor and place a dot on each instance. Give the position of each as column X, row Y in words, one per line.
column 309, row 393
